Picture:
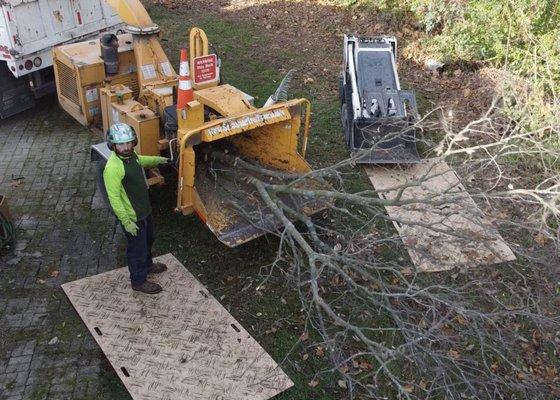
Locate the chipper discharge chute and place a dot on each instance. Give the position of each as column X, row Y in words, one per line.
column 377, row 116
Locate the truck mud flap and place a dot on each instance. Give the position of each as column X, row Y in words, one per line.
column 15, row 95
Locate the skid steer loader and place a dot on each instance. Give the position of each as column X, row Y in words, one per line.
column 376, row 114
column 209, row 136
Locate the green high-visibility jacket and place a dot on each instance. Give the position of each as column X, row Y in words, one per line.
column 114, row 176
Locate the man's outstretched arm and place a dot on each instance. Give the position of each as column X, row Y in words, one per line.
column 152, row 161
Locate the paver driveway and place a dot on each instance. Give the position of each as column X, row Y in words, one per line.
column 45, row 350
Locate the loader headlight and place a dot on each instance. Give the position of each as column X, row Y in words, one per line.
column 28, row 64
column 37, row 61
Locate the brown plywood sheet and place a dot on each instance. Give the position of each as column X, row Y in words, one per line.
column 462, row 235
column 178, row 344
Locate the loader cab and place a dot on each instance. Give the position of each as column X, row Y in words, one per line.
column 375, row 112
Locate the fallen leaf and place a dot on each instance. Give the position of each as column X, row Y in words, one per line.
column 342, row 383
column 335, row 280
column 525, row 346
column 53, row 341
column 540, row 239
column 304, row 336
column 454, row 354
column 536, row 336
column 407, row 271
column 410, row 241
column 408, row 388
column 305, row 356
column 54, row 273
column 40, row 281
column 461, row 320
column 313, row 383
column 320, row 351
column 365, row 365
column 551, row 372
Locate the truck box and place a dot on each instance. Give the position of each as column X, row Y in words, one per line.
column 29, row 29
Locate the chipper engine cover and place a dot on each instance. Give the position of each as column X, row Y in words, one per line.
column 376, row 114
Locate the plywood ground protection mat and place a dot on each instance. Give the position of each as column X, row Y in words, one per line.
column 439, row 234
column 178, row 344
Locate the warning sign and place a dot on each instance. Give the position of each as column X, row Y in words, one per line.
column 205, row 69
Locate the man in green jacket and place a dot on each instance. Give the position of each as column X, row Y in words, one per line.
column 127, row 190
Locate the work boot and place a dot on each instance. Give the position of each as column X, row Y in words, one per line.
column 157, row 268
column 147, row 287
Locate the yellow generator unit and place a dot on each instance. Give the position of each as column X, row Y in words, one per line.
column 80, row 73
column 117, row 105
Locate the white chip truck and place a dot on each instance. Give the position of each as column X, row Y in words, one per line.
column 29, row 29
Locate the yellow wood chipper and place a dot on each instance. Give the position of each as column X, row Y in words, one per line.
column 130, row 79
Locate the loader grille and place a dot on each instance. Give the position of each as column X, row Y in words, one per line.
column 68, row 86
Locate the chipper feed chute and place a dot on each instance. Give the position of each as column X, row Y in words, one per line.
column 377, row 116
column 220, row 159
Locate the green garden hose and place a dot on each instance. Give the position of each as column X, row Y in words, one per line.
column 7, row 233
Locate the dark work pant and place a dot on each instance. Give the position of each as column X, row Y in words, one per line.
column 139, row 250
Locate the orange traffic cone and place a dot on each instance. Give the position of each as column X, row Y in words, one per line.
column 185, row 93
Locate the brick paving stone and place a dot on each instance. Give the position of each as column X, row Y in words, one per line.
column 57, row 231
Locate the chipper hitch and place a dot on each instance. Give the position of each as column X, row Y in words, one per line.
column 377, row 116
